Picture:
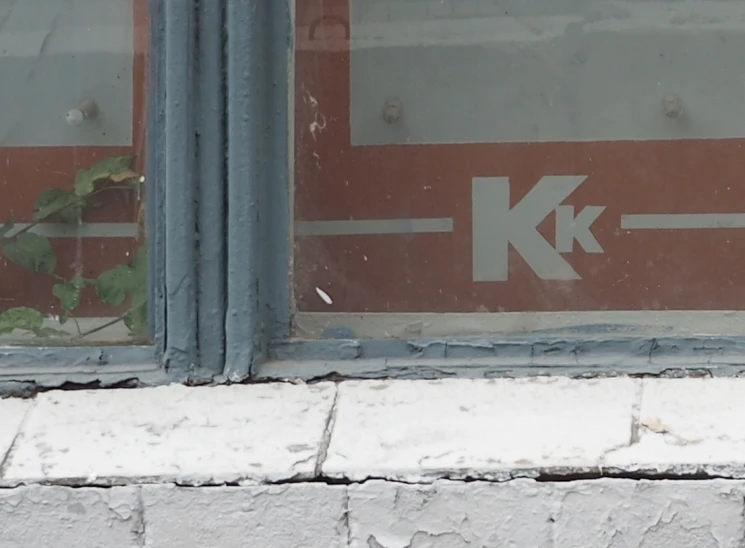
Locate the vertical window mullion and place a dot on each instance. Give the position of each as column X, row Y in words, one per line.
column 211, row 205
column 246, row 121
column 180, row 185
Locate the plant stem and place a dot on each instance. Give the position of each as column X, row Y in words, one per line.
column 110, row 323
column 102, row 327
column 77, row 325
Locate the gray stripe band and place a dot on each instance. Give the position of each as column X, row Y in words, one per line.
column 373, row 226
column 87, row 230
column 683, row 221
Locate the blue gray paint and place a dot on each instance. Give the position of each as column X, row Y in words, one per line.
column 211, row 205
column 407, row 368
column 246, row 126
column 577, row 356
column 259, row 242
column 13, row 359
column 276, row 226
column 180, row 181
column 155, row 177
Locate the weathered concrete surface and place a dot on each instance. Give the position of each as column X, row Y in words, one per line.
column 282, row 448
column 688, row 425
column 12, row 413
column 605, row 513
column 277, row 516
column 261, row 433
column 450, row 514
column 419, row 430
column 60, row 517
column 650, row 514
column 412, row 431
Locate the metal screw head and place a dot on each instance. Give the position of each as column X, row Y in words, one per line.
column 74, row 117
column 84, row 111
column 673, row 105
column 392, row 111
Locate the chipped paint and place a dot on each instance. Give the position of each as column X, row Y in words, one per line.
column 542, row 498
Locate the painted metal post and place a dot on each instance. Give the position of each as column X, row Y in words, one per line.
column 258, row 182
column 180, row 192
column 155, row 176
column 211, row 205
column 245, row 123
column 277, row 208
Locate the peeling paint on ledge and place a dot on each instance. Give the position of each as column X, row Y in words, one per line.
column 17, row 357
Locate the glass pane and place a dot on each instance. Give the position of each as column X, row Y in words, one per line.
column 504, row 166
column 72, row 145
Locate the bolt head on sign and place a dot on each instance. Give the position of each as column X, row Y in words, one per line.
column 597, row 168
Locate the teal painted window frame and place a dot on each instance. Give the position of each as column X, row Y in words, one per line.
column 219, row 225
column 260, row 53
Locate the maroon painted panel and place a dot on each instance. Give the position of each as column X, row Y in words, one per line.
column 638, row 269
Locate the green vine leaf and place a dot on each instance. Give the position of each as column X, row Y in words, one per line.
column 30, row 251
column 115, row 168
column 115, row 285
column 126, row 282
column 23, row 318
column 7, row 227
column 128, row 175
column 68, row 294
column 58, row 203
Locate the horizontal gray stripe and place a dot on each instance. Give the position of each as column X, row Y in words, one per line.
column 682, row 221
column 87, row 230
column 373, row 226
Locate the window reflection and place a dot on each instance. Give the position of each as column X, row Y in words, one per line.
column 72, row 135
column 488, row 166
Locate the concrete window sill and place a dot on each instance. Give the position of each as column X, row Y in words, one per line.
column 318, row 450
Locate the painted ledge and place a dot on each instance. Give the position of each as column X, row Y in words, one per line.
column 410, row 431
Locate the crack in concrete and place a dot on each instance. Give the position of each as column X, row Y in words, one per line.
column 5, row 461
column 636, row 410
column 139, row 526
column 346, row 530
column 634, row 426
column 327, row 432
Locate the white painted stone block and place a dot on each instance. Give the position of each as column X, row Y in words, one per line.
column 280, row 516
column 12, row 412
column 649, row 514
column 605, row 513
column 266, row 432
column 688, row 424
column 62, row 517
column 476, row 428
column 449, row 514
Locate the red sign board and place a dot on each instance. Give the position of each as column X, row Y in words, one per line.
column 26, row 171
column 502, row 227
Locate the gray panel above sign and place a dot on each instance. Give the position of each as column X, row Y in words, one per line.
column 567, row 70
column 55, row 55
